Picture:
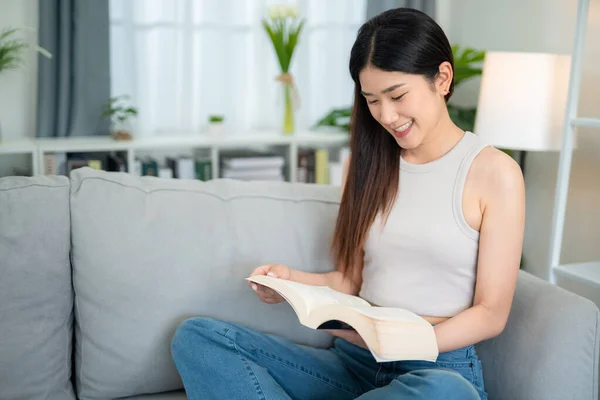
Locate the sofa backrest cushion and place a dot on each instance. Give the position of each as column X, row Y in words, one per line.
column 36, row 296
column 148, row 253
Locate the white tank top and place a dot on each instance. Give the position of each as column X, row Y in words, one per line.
column 424, row 259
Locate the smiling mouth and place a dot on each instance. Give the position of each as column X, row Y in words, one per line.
column 403, row 128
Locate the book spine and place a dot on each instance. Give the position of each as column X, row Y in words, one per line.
column 322, row 167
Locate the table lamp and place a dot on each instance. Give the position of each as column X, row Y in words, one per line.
column 522, row 100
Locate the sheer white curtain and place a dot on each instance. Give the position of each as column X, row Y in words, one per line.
column 182, row 60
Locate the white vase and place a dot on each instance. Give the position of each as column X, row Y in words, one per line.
column 216, row 129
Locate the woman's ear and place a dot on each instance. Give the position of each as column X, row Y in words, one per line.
column 444, row 78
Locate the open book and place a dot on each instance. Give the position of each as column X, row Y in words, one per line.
column 392, row 334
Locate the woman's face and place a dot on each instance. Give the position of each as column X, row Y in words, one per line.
column 408, row 106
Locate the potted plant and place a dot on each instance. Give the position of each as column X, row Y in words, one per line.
column 120, row 112
column 11, row 52
column 216, row 125
column 283, row 27
column 12, row 47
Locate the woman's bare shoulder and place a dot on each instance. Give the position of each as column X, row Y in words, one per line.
column 495, row 173
column 492, row 162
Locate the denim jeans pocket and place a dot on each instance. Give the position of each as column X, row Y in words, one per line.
column 470, row 369
column 464, row 367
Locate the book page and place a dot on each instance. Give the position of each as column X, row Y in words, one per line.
column 390, row 314
column 315, row 296
column 312, row 296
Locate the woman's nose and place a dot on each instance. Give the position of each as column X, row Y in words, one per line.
column 388, row 114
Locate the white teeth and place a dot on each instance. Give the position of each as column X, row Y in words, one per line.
column 404, row 127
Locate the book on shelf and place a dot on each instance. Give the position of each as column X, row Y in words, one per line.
column 183, row 167
column 252, row 165
column 204, row 170
column 305, row 172
column 391, row 334
column 80, row 163
column 336, row 168
column 149, row 167
column 251, row 159
column 116, row 162
column 165, row 173
column 321, row 166
column 318, row 166
column 137, row 167
column 55, row 163
column 61, row 163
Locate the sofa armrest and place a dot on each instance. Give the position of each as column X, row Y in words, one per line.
column 549, row 348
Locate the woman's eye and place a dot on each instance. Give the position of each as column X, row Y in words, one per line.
column 372, row 102
column 399, row 97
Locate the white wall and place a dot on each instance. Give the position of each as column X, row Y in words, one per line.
column 543, row 26
column 18, row 88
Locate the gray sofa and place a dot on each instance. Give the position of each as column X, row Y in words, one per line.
column 96, row 272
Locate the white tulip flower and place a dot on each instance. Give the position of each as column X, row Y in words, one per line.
column 292, row 10
column 276, row 11
column 283, row 10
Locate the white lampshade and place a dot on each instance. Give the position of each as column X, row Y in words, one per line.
column 522, row 100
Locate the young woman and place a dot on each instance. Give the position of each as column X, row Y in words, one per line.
column 431, row 220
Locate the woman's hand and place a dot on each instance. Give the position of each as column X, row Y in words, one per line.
column 270, row 296
column 266, row 294
column 349, row 335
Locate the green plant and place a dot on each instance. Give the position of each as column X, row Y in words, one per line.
column 216, row 118
column 118, row 110
column 283, row 28
column 12, row 48
column 467, row 65
column 338, row 117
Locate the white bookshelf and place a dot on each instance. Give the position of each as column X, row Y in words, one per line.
column 38, row 148
column 21, row 147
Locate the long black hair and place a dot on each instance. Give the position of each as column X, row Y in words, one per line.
column 404, row 40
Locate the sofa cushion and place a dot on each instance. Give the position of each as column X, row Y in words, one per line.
column 549, row 349
column 36, row 297
column 148, row 253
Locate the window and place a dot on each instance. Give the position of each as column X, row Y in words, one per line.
column 182, row 60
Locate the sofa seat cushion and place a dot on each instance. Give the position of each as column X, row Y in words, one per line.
column 177, row 395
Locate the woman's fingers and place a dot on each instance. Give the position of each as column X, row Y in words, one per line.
column 266, row 292
column 267, row 295
column 262, row 270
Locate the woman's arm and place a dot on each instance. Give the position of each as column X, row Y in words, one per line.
column 334, row 279
column 500, row 247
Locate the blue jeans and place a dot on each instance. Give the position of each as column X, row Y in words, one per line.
column 220, row 360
